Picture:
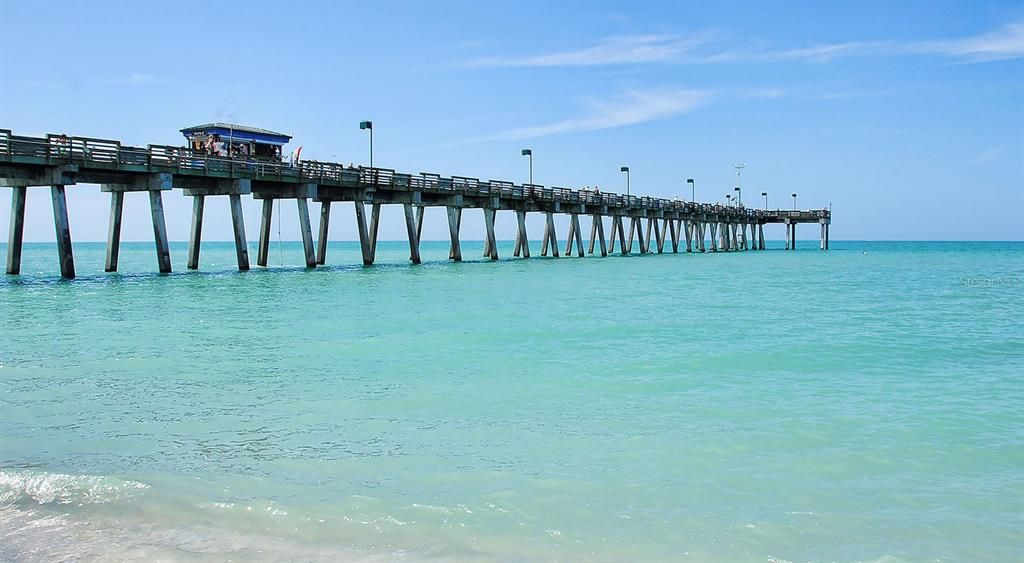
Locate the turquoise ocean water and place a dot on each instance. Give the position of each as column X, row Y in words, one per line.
column 864, row 404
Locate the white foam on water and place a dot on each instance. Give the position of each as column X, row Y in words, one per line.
column 21, row 486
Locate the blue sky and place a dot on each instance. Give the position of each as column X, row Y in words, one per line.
column 908, row 118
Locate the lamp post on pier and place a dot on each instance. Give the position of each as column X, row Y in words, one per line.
column 794, row 202
column 626, row 170
column 765, row 194
column 739, row 196
column 529, row 153
column 693, row 190
column 368, row 125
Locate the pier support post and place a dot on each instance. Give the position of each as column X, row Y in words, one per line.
column 827, row 227
column 579, row 236
column 760, row 236
column 632, row 229
column 689, row 228
column 238, row 222
column 114, row 231
column 364, row 236
column 454, row 224
column 374, row 225
column 163, row 249
column 611, row 238
column 672, row 226
column 325, row 223
column 792, row 245
column 196, row 232
column 622, row 238
column 550, row 236
column 16, row 235
column 593, row 235
column 599, row 224
column 63, row 229
column 306, row 229
column 522, row 239
column 713, row 227
column 659, row 234
column 569, row 237
column 491, row 243
column 263, row 250
column 414, row 235
column 419, row 222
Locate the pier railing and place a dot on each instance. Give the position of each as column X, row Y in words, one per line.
column 104, row 153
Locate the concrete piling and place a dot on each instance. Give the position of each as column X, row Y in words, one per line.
column 321, row 241
column 263, row 249
column 491, row 242
column 16, row 234
column 522, row 239
column 114, row 231
column 196, row 231
column 306, row 231
column 579, row 235
column 163, row 248
column 454, row 224
column 63, row 230
column 238, row 224
column 374, row 225
column 364, row 236
column 413, row 229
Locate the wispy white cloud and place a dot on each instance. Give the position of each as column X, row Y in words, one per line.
column 769, row 93
column 1004, row 43
column 634, row 107
column 991, row 154
column 1001, row 44
column 611, row 51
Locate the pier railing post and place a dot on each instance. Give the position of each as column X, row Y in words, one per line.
column 16, row 234
column 306, row 230
column 263, row 250
column 163, row 249
column 413, row 232
column 63, row 229
column 196, row 231
column 325, row 223
column 114, row 231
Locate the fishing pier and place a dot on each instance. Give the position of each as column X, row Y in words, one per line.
column 59, row 161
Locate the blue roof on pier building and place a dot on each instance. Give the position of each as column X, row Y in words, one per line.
column 239, row 132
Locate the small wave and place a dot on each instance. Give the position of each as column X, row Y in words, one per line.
column 58, row 488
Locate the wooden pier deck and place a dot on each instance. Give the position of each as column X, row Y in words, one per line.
column 58, row 161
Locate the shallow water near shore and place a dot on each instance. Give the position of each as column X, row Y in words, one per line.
column 860, row 404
